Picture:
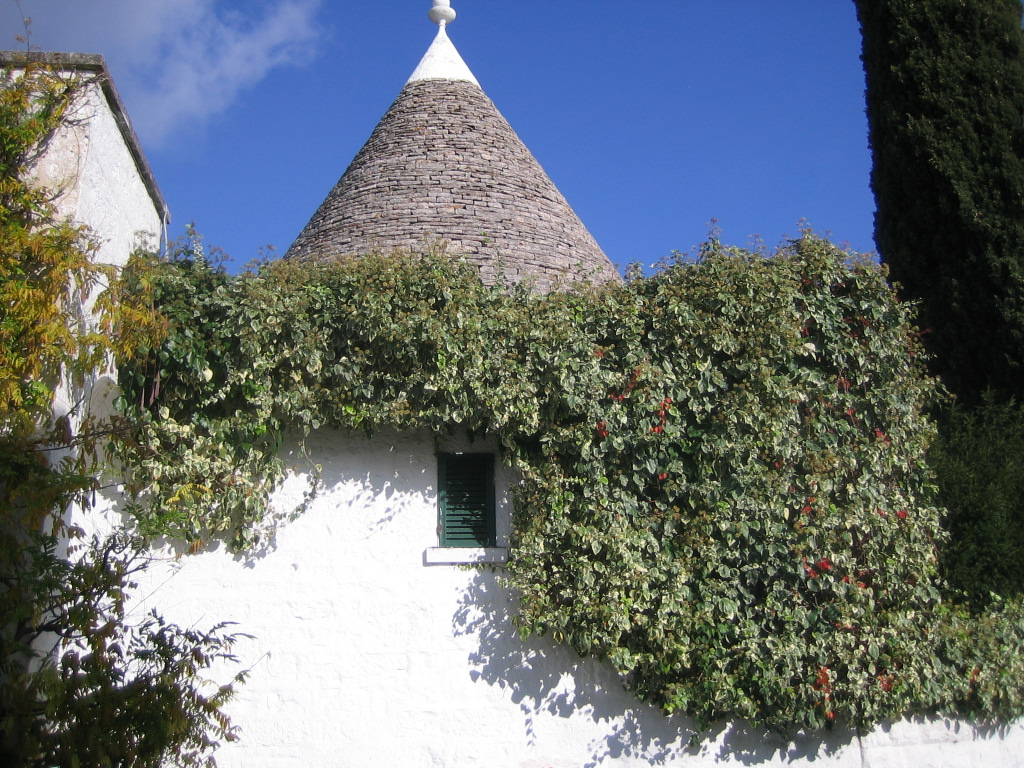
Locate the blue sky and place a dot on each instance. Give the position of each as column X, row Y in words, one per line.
column 653, row 118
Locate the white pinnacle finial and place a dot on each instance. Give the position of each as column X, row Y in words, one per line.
column 442, row 61
column 442, row 13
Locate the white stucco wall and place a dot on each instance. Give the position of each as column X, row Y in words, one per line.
column 364, row 656
column 99, row 184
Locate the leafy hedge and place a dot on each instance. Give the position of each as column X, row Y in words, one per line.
column 979, row 464
column 944, row 86
column 724, row 484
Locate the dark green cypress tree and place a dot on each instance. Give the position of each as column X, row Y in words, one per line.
column 945, row 94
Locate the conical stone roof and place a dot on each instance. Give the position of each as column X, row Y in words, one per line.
column 443, row 164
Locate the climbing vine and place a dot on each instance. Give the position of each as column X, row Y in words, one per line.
column 80, row 683
column 45, row 267
column 49, row 285
column 724, row 489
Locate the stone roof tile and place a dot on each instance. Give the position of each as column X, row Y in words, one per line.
column 444, row 164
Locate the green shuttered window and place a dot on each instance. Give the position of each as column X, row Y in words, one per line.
column 466, row 499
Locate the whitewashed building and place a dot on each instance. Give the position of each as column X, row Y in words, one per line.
column 373, row 644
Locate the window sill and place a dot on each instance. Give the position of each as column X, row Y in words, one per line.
column 465, row 555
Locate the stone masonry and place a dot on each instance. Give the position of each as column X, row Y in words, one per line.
column 444, row 164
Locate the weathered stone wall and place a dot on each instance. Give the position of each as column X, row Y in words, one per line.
column 443, row 164
column 364, row 656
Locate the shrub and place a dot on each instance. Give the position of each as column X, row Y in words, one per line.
column 724, row 493
column 944, row 85
column 82, row 686
column 743, row 524
column 979, row 465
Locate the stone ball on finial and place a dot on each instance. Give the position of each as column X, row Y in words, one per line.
column 442, row 12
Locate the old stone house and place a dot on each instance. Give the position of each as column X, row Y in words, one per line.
column 371, row 645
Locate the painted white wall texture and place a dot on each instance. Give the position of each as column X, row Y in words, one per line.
column 89, row 164
column 365, row 656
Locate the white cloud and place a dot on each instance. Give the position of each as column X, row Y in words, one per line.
column 176, row 62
